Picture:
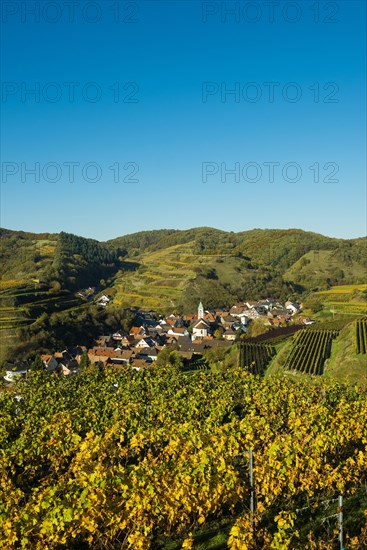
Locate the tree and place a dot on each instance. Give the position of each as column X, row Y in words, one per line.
column 55, row 287
column 256, row 327
column 314, row 304
column 169, row 356
column 84, row 360
column 37, row 364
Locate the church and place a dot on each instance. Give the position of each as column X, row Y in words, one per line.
column 201, row 328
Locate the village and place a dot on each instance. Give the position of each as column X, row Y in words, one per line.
column 190, row 335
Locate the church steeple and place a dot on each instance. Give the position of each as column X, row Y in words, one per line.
column 200, row 311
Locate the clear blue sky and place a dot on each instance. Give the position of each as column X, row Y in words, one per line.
column 161, row 123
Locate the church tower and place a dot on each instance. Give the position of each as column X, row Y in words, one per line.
column 200, row 311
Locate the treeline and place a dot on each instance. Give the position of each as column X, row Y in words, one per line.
column 80, row 262
column 60, row 330
column 215, row 292
column 136, row 243
column 91, row 250
column 274, row 247
column 20, row 254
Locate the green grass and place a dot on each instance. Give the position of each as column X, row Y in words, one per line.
column 344, row 364
column 344, row 299
column 314, row 267
column 275, row 367
column 344, row 289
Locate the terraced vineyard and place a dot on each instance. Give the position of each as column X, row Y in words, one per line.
column 161, row 278
column 310, row 350
column 361, row 336
column 345, row 299
column 11, row 316
column 22, row 303
column 256, row 357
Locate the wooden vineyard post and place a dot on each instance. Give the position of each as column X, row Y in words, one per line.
column 340, row 521
column 251, row 479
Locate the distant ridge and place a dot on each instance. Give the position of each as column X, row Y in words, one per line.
column 168, row 267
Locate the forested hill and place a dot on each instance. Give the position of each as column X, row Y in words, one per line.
column 259, row 260
column 165, row 270
column 64, row 257
column 272, row 247
column 219, row 267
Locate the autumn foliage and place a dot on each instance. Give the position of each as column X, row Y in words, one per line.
column 117, row 460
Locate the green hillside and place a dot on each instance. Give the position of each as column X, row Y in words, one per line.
column 276, row 248
column 25, row 256
column 181, row 276
column 335, row 266
column 170, row 269
column 176, row 268
column 66, row 258
column 344, row 299
column 39, row 274
column 345, row 364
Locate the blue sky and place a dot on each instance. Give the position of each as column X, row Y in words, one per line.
column 172, row 130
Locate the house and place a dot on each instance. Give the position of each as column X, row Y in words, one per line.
column 137, row 331
column 292, row 307
column 190, row 317
column 200, row 330
column 229, row 334
column 307, row 321
column 227, row 321
column 145, row 343
column 239, row 326
column 50, row 362
column 221, row 312
column 105, row 341
column 66, row 370
column 86, row 293
column 77, row 352
column 67, row 364
column 140, row 363
column 127, row 340
column 165, row 327
column 64, row 356
column 267, row 304
column 279, row 313
column 252, row 313
column 103, row 300
column 121, row 357
column 100, row 355
column 149, row 354
column 240, row 312
column 13, row 372
column 178, row 331
column 209, row 317
column 173, row 316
